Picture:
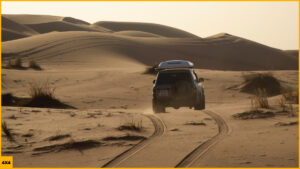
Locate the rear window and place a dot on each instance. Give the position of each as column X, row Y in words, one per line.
column 173, row 77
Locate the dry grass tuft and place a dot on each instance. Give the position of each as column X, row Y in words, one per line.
column 151, row 70
column 282, row 103
column 41, row 90
column 291, row 96
column 260, row 100
column 33, row 64
column 286, row 102
column 7, row 132
column 253, row 114
column 8, row 99
column 58, row 137
column 17, row 64
column 262, row 81
column 195, row 123
column 42, row 95
column 287, row 123
column 291, row 110
column 76, row 145
column 126, row 137
column 132, row 125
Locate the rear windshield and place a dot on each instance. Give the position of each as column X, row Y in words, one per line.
column 173, row 77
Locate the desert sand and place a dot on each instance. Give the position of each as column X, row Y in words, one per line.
column 98, row 68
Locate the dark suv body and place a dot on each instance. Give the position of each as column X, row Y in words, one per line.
column 178, row 88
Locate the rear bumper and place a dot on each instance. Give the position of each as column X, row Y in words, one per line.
column 175, row 102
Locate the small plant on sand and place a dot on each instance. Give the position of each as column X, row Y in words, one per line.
column 287, row 105
column 291, row 111
column 34, row 65
column 151, row 70
column 17, row 64
column 58, row 137
column 282, row 103
column 291, row 96
column 41, row 90
column 128, row 137
column 254, row 114
column 7, row 132
column 132, row 125
column 261, row 81
column 9, row 64
column 42, row 95
column 7, row 99
column 260, row 100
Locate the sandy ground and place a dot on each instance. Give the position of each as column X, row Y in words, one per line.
column 101, row 73
column 250, row 143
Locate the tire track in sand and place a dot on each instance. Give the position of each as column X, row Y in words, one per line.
column 160, row 129
column 192, row 159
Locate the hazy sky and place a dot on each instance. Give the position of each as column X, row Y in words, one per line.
column 275, row 24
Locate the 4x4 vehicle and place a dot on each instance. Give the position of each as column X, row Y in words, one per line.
column 177, row 85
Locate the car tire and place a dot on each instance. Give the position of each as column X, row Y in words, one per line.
column 203, row 102
column 198, row 105
column 158, row 108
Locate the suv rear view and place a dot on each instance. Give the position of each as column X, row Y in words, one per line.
column 177, row 85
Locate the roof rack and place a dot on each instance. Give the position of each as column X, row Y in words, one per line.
column 172, row 64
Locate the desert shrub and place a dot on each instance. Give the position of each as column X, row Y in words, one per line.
column 77, row 145
column 195, row 123
column 33, row 64
column 126, row 137
column 254, row 114
column 265, row 81
column 58, row 137
column 7, row 99
column 41, row 90
column 27, row 135
column 260, row 100
column 151, row 70
column 287, row 100
column 17, row 64
column 9, row 64
column 291, row 110
column 282, row 103
column 132, row 125
column 7, row 131
column 286, row 123
column 291, row 96
column 42, row 95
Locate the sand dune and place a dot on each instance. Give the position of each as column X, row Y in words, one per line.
column 12, row 30
column 11, row 25
column 39, row 24
column 137, row 34
column 231, row 53
column 59, row 26
column 293, row 53
column 135, row 40
column 75, row 21
column 32, row 19
column 11, row 35
column 161, row 30
column 219, row 35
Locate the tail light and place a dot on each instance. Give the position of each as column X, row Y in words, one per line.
column 154, row 92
